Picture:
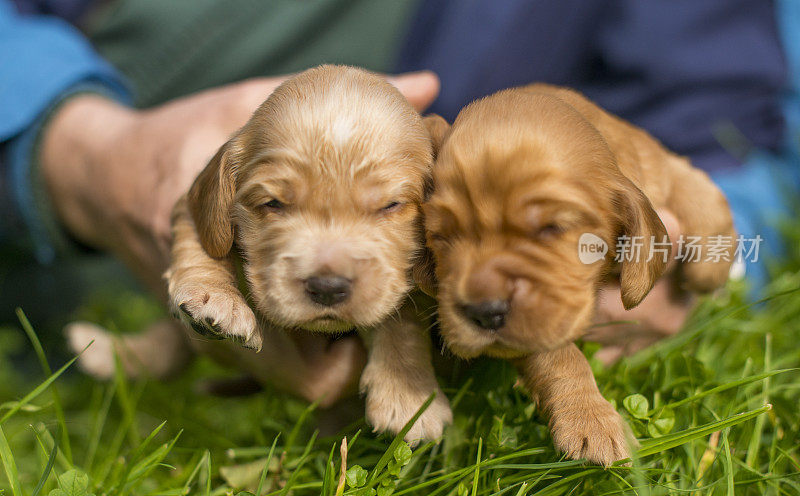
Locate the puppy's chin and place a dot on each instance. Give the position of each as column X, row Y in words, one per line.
column 327, row 325
column 467, row 341
column 467, row 349
column 292, row 310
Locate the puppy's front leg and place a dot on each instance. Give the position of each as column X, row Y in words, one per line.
column 399, row 377
column 582, row 422
column 203, row 290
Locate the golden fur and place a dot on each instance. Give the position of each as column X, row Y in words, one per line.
column 326, row 179
column 519, row 177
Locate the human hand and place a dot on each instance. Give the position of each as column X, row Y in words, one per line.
column 114, row 173
column 660, row 315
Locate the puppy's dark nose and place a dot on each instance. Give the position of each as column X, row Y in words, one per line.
column 489, row 315
column 327, row 290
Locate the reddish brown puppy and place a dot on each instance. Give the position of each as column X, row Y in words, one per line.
column 520, row 177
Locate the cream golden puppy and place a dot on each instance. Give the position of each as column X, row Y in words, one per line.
column 521, row 178
column 319, row 198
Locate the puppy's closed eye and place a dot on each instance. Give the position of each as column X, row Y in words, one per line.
column 555, row 226
column 551, row 230
column 439, row 240
column 545, row 222
column 392, row 206
column 272, row 205
column 261, row 199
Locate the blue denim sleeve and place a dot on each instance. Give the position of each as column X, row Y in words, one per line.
column 43, row 60
column 761, row 192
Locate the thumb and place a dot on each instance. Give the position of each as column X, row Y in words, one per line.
column 419, row 88
column 251, row 93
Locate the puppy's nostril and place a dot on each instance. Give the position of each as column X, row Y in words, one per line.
column 489, row 315
column 327, row 290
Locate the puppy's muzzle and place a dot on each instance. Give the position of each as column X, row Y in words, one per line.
column 490, row 314
column 328, row 290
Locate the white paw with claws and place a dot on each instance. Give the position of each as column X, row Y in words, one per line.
column 391, row 404
column 217, row 313
column 592, row 430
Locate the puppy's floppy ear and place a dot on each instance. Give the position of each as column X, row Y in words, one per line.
column 210, row 200
column 438, row 129
column 424, row 270
column 641, row 224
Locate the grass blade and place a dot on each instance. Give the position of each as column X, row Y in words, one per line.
column 266, row 465
column 40, row 388
column 682, row 339
column 303, row 459
column 208, row 473
column 47, row 442
column 66, row 447
column 51, row 460
column 667, row 442
column 755, row 441
column 190, row 480
column 327, row 476
column 151, row 461
column 9, row 464
column 726, row 460
column 290, row 440
column 477, row 468
column 125, row 400
column 723, row 387
column 98, row 425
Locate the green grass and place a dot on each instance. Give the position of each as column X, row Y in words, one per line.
column 716, row 410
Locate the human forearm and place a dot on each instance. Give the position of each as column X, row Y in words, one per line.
column 86, row 129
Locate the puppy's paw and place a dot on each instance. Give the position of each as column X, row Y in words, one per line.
column 592, row 430
column 97, row 346
column 217, row 313
column 431, row 424
column 389, row 408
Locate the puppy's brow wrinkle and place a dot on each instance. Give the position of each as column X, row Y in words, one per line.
column 271, row 154
column 252, row 194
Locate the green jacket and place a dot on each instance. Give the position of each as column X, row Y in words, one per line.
column 170, row 48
